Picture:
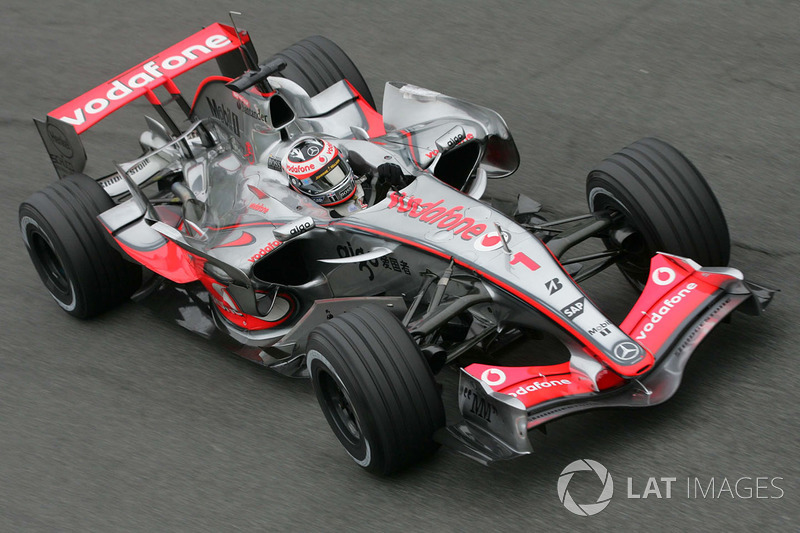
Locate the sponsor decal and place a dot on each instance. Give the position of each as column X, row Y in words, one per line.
column 554, row 285
column 348, row 251
column 300, row 227
column 144, row 75
column 433, row 213
column 521, row 258
column 481, row 407
column 264, row 251
column 458, row 139
column 59, row 141
column 386, row 262
column 663, row 276
column 493, row 377
column 627, row 352
column 491, row 241
column 575, row 309
column 274, row 163
column 241, row 101
column 253, row 112
column 538, row 385
column 301, row 162
column 601, row 328
column 668, row 304
column 137, row 167
column 224, row 115
column 261, row 208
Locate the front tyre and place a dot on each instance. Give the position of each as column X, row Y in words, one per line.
column 664, row 204
column 84, row 274
column 375, row 389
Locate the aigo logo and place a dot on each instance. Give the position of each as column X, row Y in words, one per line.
column 586, row 509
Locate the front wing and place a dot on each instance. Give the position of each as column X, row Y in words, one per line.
column 681, row 303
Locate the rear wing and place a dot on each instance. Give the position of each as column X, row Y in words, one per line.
column 61, row 129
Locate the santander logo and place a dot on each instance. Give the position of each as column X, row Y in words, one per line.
column 435, row 214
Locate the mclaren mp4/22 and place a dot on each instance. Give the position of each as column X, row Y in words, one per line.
column 372, row 287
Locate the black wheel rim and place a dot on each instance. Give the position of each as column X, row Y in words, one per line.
column 340, row 408
column 49, row 266
column 635, row 256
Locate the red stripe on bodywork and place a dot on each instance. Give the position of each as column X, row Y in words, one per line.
column 375, row 126
column 243, row 240
column 168, row 260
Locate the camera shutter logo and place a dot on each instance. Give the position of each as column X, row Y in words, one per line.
column 585, row 509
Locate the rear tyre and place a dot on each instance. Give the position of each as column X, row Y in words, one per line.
column 69, row 248
column 666, row 206
column 316, row 63
column 375, row 389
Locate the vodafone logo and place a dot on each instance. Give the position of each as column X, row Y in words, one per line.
column 491, row 241
column 144, row 76
column 435, row 214
column 663, row 276
column 493, row 377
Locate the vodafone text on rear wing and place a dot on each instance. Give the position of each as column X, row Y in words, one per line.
column 62, row 126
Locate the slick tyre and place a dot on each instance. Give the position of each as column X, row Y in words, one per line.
column 375, row 389
column 69, row 248
column 316, row 63
column 665, row 205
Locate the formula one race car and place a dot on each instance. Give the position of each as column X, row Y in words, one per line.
column 322, row 239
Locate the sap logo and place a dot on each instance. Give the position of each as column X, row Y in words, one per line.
column 224, row 115
column 575, row 309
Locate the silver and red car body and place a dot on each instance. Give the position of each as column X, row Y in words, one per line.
column 264, row 265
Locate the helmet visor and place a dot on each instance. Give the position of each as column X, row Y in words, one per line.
column 326, row 179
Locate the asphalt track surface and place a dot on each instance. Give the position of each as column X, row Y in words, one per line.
column 126, row 422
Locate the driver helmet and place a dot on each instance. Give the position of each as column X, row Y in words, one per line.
column 316, row 169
